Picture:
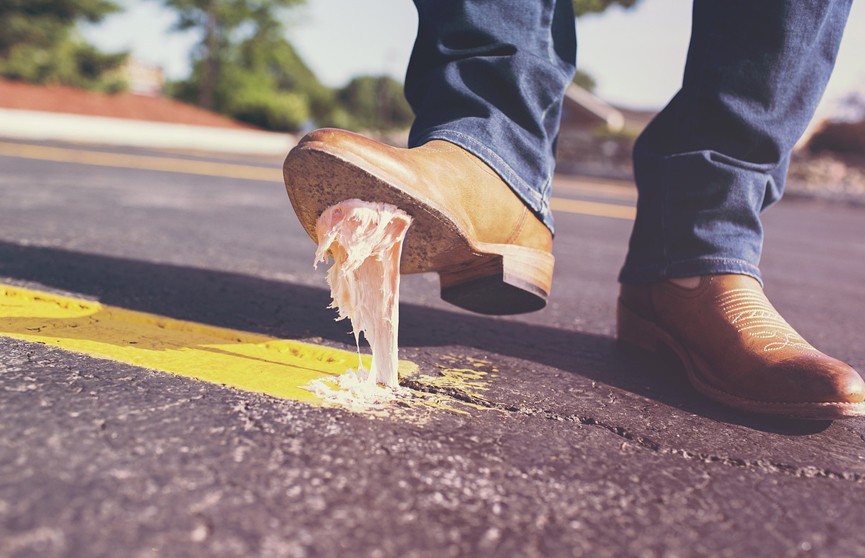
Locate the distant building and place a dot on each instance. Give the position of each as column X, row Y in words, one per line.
column 595, row 137
column 143, row 79
column 582, row 109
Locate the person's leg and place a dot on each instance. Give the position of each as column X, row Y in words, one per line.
column 705, row 167
column 718, row 153
column 490, row 76
column 486, row 81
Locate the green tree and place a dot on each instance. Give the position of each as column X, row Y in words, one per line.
column 585, row 81
column 376, row 103
column 263, row 81
column 220, row 23
column 38, row 43
column 583, row 7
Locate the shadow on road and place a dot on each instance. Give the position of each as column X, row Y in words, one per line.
column 291, row 311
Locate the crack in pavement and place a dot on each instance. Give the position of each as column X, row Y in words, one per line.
column 764, row 465
column 455, row 393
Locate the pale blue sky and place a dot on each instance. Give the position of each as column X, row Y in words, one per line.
column 636, row 55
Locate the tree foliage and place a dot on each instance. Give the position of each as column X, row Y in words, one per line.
column 376, row 102
column 220, row 22
column 585, row 81
column 583, row 7
column 245, row 67
column 38, row 43
column 262, row 80
column 250, row 92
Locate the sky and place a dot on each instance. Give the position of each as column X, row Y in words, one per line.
column 636, row 56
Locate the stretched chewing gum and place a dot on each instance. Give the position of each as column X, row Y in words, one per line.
column 365, row 240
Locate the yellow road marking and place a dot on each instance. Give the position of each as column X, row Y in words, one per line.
column 621, row 191
column 243, row 360
column 141, row 162
column 244, row 172
column 598, row 209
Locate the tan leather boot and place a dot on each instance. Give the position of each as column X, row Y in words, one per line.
column 738, row 350
column 492, row 254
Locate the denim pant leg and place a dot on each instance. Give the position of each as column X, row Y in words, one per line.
column 717, row 155
column 490, row 76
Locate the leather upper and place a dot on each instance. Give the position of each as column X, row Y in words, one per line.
column 740, row 344
column 448, row 178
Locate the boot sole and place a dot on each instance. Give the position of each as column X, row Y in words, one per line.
column 485, row 278
column 637, row 332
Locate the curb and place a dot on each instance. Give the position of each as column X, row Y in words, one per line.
column 77, row 128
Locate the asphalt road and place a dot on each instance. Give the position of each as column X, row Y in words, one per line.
column 566, row 447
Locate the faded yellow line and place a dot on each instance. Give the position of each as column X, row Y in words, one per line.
column 621, row 191
column 598, row 209
column 243, row 360
column 141, row 162
column 244, row 172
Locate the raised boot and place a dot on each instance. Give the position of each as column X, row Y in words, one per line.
column 492, row 254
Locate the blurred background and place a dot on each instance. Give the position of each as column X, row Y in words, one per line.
column 288, row 66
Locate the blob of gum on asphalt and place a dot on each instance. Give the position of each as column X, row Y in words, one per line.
column 365, row 241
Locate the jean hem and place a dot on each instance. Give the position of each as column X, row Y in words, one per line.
column 529, row 195
column 688, row 268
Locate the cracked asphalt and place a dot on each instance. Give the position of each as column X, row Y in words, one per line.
column 568, row 447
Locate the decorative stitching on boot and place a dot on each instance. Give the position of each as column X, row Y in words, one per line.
column 748, row 310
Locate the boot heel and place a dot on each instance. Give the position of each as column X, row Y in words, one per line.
column 634, row 331
column 513, row 280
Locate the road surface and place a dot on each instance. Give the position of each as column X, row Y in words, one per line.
column 532, row 436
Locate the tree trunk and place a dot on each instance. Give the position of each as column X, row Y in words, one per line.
column 210, row 69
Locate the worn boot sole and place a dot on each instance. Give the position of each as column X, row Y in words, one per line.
column 635, row 331
column 481, row 277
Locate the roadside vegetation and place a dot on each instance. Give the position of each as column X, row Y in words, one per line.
column 39, row 44
column 244, row 65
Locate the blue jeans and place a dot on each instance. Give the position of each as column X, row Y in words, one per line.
column 490, row 75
